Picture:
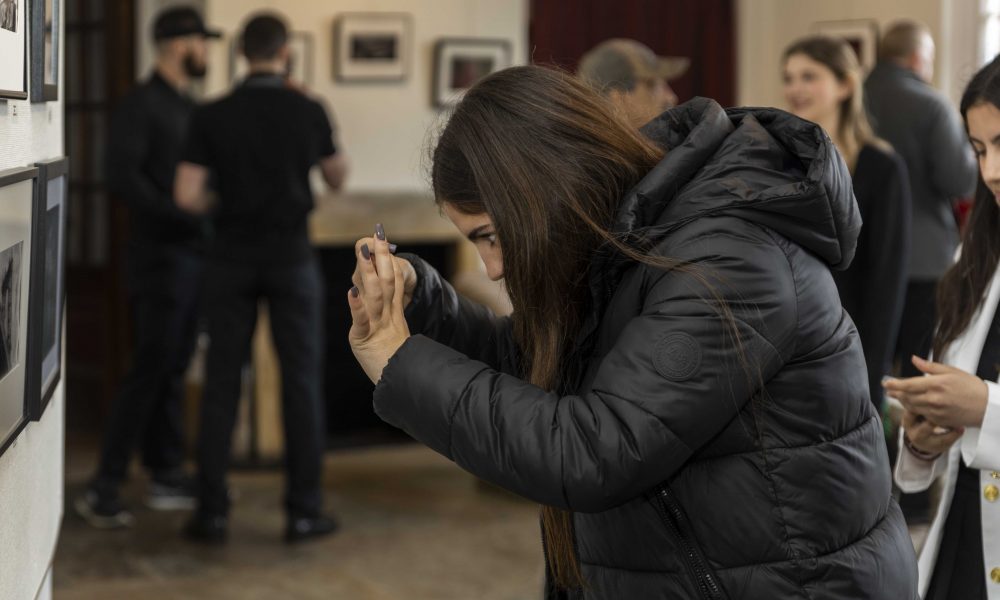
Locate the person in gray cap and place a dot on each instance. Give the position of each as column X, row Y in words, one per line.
column 164, row 266
column 633, row 77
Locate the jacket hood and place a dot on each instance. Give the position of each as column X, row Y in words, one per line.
column 762, row 165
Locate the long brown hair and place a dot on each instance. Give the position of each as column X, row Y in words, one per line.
column 854, row 130
column 549, row 160
column 963, row 286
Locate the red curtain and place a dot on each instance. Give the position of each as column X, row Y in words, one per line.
column 561, row 31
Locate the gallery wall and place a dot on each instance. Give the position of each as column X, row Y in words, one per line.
column 31, row 470
column 383, row 127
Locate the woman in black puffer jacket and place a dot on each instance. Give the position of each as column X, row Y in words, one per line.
column 679, row 386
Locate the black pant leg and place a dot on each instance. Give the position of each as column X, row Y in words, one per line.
column 156, row 323
column 231, row 293
column 295, row 300
column 163, row 443
column 916, row 328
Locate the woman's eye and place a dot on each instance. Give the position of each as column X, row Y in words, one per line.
column 492, row 239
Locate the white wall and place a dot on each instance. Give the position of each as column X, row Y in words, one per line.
column 382, row 127
column 766, row 27
column 31, row 471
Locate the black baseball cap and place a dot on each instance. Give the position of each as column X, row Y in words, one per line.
column 181, row 21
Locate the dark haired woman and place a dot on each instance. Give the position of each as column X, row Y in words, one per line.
column 958, row 399
column 822, row 84
column 678, row 386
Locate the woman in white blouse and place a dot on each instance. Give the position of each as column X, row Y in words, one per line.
column 951, row 426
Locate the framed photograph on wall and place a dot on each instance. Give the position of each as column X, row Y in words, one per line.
column 371, row 47
column 18, row 203
column 49, row 298
column 13, row 49
column 302, row 59
column 45, row 31
column 460, row 62
column 861, row 34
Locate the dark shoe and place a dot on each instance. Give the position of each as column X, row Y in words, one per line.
column 103, row 510
column 301, row 529
column 206, row 529
column 176, row 492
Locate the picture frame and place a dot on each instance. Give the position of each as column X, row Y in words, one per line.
column 372, row 47
column 460, row 62
column 18, row 285
column 14, row 49
column 49, row 296
column 45, row 39
column 861, row 34
column 303, row 58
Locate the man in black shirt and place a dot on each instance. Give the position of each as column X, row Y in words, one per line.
column 260, row 143
column 164, row 267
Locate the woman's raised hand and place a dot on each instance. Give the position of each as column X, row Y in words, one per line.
column 377, row 300
column 945, row 396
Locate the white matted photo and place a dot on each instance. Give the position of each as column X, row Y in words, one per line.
column 860, row 34
column 459, row 63
column 13, row 49
column 17, row 199
column 371, row 47
column 300, row 44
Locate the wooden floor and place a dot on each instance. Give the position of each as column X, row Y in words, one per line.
column 414, row 527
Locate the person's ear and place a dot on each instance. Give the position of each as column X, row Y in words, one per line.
column 845, row 89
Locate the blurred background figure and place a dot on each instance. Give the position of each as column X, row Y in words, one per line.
column 823, row 84
column 164, row 269
column 260, row 142
column 634, row 78
column 925, row 129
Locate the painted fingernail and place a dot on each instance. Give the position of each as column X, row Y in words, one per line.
column 380, row 232
column 393, row 248
column 355, row 291
column 366, row 252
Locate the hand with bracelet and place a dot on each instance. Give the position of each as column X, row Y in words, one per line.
column 939, row 406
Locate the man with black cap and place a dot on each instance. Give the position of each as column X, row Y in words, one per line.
column 260, row 143
column 164, row 269
column 633, row 77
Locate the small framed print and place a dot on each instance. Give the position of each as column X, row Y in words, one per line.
column 371, row 47
column 13, row 50
column 459, row 63
column 46, row 328
column 45, row 34
column 861, row 35
column 18, row 283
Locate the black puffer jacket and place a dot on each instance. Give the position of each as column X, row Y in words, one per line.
column 686, row 483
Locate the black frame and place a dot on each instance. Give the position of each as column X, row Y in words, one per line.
column 11, row 94
column 442, row 44
column 40, row 389
column 407, row 56
column 40, row 90
column 7, row 178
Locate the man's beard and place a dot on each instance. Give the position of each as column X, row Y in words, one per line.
column 193, row 69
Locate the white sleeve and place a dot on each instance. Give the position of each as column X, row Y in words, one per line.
column 981, row 445
column 913, row 474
